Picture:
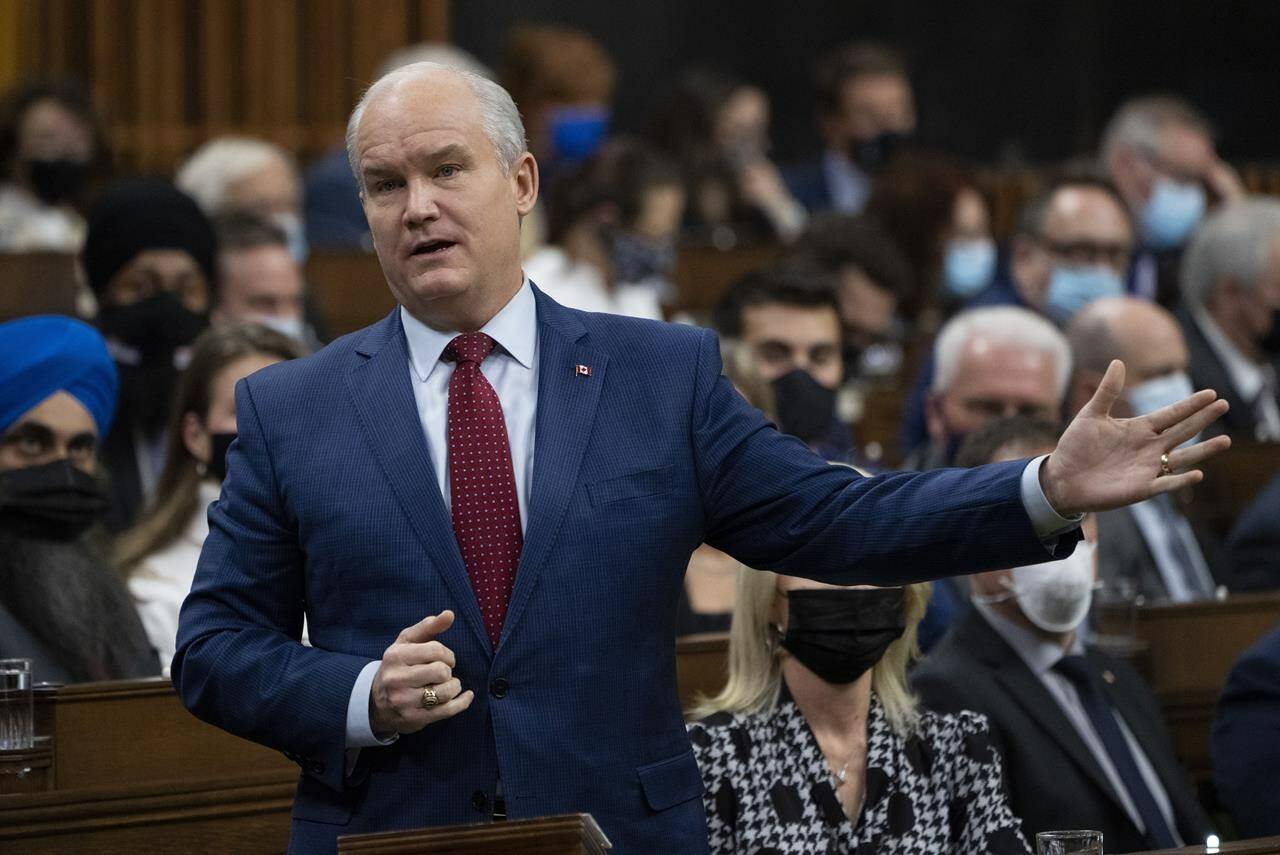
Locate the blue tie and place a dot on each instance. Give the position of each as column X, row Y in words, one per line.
column 1098, row 708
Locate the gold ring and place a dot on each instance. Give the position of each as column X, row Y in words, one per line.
column 1165, row 469
column 429, row 698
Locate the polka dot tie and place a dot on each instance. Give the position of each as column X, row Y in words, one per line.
column 482, row 484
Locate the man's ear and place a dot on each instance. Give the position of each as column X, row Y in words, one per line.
column 196, row 438
column 933, row 418
column 524, row 177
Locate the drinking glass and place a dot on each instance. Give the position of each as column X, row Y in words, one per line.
column 1069, row 843
column 16, row 719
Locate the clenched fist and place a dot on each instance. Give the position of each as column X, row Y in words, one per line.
column 414, row 662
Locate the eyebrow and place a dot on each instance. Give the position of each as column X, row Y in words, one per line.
column 452, row 151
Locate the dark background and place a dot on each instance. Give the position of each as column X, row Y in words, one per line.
column 998, row 81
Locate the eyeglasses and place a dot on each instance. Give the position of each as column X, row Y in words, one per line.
column 1114, row 255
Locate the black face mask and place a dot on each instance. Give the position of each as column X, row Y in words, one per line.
column 53, row 501
column 1270, row 343
column 805, row 407
column 840, row 634
column 873, row 155
column 57, row 180
column 218, row 445
column 156, row 327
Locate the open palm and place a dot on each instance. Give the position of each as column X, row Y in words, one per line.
column 1103, row 462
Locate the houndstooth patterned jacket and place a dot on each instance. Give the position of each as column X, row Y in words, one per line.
column 768, row 788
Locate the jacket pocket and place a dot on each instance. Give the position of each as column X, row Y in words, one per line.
column 316, row 802
column 670, row 782
column 634, row 485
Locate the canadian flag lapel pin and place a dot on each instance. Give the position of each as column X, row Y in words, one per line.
column 582, row 370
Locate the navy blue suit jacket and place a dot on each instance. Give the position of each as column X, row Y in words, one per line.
column 331, row 508
column 1246, row 740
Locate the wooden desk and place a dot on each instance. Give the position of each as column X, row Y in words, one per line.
column 127, row 769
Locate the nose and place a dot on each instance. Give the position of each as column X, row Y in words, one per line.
column 420, row 207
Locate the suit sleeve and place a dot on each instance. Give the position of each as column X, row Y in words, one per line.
column 1246, row 741
column 774, row 505
column 240, row 664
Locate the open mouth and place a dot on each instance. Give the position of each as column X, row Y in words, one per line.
column 431, row 247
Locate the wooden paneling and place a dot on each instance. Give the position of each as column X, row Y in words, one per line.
column 168, row 74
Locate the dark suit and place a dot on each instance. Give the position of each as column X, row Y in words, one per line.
column 1207, row 372
column 1253, row 548
column 1125, row 555
column 1246, row 740
column 807, row 182
column 331, row 509
column 1054, row 782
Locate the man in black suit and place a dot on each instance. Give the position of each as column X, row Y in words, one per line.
column 1150, row 548
column 1230, row 303
column 1079, row 734
column 1246, row 740
column 1253, row 548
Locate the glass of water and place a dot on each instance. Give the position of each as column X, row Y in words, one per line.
column 16, row 718
column 1069, row 843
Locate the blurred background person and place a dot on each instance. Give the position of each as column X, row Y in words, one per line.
column 1230, row 306
column 51, row 149
column 1160, row 153
column 1253, row 547
column 1246, row 740
column 259, row 280
column 612, row 232
column 717, row 129
column 788, row 317
column 1148, row 549
column 1065, row 718
column 803, row 750
column 149, row 257
column 158, row 555
column 866, row 111
column 873, row 278
column 61, row 604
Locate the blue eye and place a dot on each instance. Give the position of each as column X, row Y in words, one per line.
column 448, row 171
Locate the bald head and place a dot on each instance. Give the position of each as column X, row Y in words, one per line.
column 1141, row 334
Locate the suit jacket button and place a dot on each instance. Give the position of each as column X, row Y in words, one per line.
column 479, row 800
column 498, row 688
column 316, row 767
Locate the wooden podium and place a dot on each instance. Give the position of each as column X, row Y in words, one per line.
column 571, row 834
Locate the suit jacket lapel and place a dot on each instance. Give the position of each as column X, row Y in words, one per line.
column 567, row 403
column 380, row 389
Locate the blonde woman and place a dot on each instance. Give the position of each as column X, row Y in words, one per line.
column 816, row 745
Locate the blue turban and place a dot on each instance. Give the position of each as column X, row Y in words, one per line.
column 45, row 354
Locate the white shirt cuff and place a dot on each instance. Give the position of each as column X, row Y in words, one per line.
column 1047, row 522
column 359, row 732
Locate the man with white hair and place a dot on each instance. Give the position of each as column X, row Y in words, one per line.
column 1160, row 153
column 990, row 363
column 1231, row 314
column 533, row 480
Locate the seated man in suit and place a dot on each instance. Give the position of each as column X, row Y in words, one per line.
column 483, row 506
column 1148, row 549
column 61, row 603
column 1080, row 735
column 1246, row 740
column 866, row 109
column 1230, row 306
column 1253, row 547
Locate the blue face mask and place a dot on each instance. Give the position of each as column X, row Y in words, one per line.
column 1172, row 212
column 576, row 132
column 1159, row 392
column 1073, row 288
column 968, row 266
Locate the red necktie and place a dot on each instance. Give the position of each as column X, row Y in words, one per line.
column 482, row 484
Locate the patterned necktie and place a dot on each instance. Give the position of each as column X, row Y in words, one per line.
column 1096, row 705
column 482, row 484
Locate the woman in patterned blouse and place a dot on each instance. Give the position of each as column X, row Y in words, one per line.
column 816, row 745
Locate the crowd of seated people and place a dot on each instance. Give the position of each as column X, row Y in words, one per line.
column 925, row 718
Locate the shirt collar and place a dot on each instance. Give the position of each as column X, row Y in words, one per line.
column 1039, row 654
column 514, row 328
column 1245, row 375
column 848, row 185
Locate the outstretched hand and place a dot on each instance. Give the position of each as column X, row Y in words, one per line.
column 1103, row 462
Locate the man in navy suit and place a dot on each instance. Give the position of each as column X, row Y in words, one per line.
column 484, row 505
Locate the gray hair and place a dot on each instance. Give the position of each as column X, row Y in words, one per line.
column 1007, row 325
column 1231, row 243
column 1140, row 122
column 221, row 162
column 499, row 118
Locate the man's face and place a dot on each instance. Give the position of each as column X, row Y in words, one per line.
column 1083, row 227
column 661, row 211
column 1153, row 346
column 784, row 338
column 58, row 428
column 153, row 271
column 872, row 104
column 269, row 192
column 49, row 131
column 444, row 217
column 263, row 281
column 1184, row 154
column 866, row 310
column 993, row 380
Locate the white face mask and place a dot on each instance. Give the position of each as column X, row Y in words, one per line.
column 288, row 326
column 1158, row 392
column 1056, row 596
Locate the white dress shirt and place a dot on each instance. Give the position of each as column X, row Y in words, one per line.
column 512, row 369
column 1250, row 379
column 1040, row 655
